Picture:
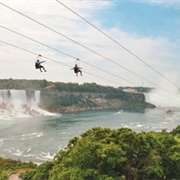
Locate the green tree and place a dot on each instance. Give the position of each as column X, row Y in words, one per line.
column 3, row 176
column 89, row 157
column 42, row 172
column 101, row 152
column 176, row 131
column 28, row 175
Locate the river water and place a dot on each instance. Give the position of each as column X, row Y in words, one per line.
column 39, row 139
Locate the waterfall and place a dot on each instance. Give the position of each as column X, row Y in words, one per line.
column 20, row 103
column 163, row 99
column 37, row 96
column 4, row 96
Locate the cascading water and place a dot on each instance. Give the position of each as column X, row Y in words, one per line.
column 165, row 97
column 37, row 96
column 20, row 103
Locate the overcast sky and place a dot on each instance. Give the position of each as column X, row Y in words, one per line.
column 148, row 33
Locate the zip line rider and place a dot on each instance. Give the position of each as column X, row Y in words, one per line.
column 38, row 64
column 77, row 69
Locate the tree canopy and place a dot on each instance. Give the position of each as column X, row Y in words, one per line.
column 105, row 154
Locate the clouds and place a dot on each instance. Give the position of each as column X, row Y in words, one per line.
column 163, row 2
column 68, row 33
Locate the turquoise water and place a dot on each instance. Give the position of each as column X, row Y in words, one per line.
column 39, row 139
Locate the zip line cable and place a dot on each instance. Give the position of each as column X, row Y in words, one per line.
column 59, row 62
column 119, row 44
column 23, row 49
column 56, row 50
column 20, row 34
column 78, row 44
column 82, row 45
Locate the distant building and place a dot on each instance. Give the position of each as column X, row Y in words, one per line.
column 130, row 90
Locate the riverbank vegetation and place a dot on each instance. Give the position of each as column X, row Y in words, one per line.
column 105, row 154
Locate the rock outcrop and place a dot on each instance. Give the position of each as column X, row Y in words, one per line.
column 81, row 101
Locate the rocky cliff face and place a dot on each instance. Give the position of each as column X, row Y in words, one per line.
column 63, row 101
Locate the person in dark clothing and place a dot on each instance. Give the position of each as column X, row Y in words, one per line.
column 39, row 66
column 77, row 70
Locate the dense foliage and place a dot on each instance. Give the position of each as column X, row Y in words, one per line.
column 54, row 86
column 105, row 154
column 8, row 166
column 60, row 86
column 24, row 84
